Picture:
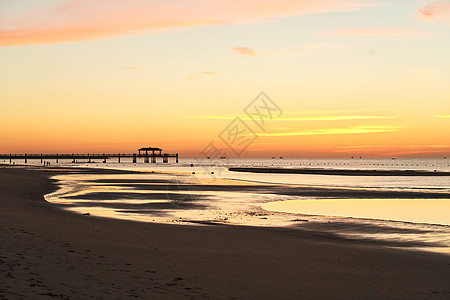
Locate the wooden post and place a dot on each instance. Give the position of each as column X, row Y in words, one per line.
column 10, row 158
column 73, row 158
column 119, row 158
column 177, row 158
column 153, row 158
column 89, row 157
column 134, row 158
column 104, row 158
column 25, row 158
column 41, row 158
column 57, row 158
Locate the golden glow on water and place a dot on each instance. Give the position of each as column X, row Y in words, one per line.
column 434, row 211
column 184, row 194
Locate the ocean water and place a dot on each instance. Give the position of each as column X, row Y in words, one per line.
column 400, row 211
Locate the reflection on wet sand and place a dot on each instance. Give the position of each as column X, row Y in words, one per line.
column 407, row 210
column 169, row 198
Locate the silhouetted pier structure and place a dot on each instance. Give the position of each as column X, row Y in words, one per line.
column 146, row 154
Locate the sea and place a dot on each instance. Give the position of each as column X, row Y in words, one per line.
column 410, row 212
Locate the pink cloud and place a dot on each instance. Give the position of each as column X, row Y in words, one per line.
column 81, row 20
column 289, row 52
column 395, row 32
column 245, row 51
column 436, row 12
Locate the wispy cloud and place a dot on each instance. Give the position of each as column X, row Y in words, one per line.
column 291, row 119
column 202, row 74
column 82, row 20
column 334, row 118
column 244, row 51
column 384, row 147
column 393, row 32
column 436, row 12
column 323, row 112
column 335, row 131
column 289, row 52
column 393, row 150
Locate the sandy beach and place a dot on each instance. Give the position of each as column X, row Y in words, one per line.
column 46, row 252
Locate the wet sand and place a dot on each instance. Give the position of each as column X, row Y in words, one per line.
column 46, row 252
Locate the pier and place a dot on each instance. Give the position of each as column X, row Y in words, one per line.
column 144, row 154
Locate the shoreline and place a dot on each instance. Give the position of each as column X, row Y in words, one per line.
column 52, row 252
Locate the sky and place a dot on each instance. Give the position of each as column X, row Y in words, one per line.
column 339, row 78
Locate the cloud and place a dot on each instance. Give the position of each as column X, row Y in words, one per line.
column 334, row 131
column 383, row 147
column 393, row 32
column 289, row 52
column 202, row 74
column 315, row 118
column 436, row 12
column 442, row 116
column 244, row 51
column 334, row 118
column 83, row 20
column 393, row 150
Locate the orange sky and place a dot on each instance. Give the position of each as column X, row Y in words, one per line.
column 350, row 78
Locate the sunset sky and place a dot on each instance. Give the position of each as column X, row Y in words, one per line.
column 364, row 78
